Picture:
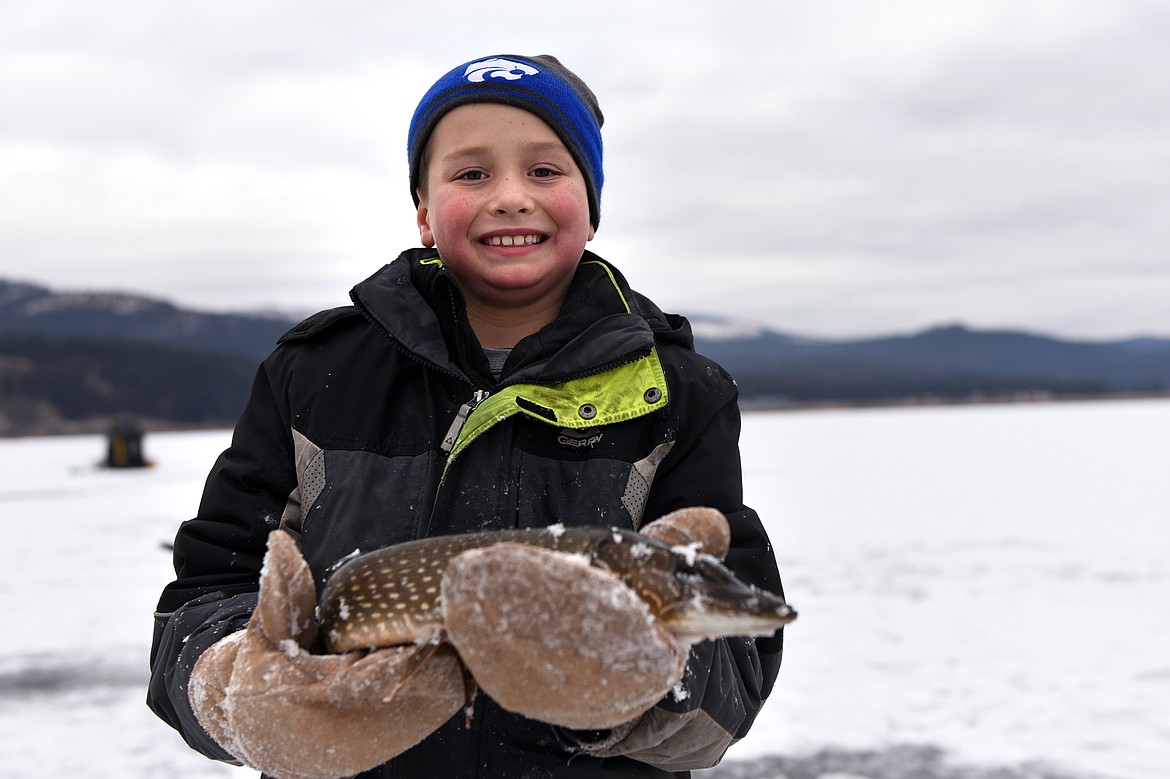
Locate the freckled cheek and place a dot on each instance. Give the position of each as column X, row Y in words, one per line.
column 569, row 207
column 453, row 216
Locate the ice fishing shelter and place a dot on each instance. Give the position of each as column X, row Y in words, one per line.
column 124, row 445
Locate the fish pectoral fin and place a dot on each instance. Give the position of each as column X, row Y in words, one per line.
column 414, row 661
column 418, row 659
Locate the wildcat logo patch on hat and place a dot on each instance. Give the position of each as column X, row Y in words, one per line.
column 498, row 68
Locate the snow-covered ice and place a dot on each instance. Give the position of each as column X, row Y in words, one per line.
column 983, row 586
column 990, row 580
column 81, row 567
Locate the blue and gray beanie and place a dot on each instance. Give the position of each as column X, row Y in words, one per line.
column 540, row 85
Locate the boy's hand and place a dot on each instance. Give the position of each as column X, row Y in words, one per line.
column 553, row 638
column 700, row 525
column 269, row 702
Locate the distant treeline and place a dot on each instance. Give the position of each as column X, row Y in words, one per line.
column 55, row 384
column 69, row 362
column 945, row 363
column 50, row 384
column 837, row 381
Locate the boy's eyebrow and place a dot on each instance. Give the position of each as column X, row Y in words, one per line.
column 544, row 147
column 548, row 147
column 469, row 151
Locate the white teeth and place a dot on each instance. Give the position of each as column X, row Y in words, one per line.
column 512, row 240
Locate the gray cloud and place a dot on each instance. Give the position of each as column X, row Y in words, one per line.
column 834, row 168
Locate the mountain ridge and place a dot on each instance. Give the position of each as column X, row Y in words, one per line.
column 70, row 360
column 31, row 309
column 946, row 362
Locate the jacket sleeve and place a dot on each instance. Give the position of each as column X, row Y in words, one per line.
column 218, row 556
column 726, row 680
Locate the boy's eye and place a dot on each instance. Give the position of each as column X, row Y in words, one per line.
column 543, row 173
column 473, row 175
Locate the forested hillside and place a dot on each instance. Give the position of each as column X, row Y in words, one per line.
column 72, row 384
column 72, row 361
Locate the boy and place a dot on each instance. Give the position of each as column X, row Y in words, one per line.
column 501, row 377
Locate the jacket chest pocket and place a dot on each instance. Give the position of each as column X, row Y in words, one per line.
column 585, row 492
column 595, row 491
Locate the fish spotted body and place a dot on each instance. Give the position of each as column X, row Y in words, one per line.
column 391, row 596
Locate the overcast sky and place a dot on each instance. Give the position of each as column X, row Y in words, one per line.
column 829, row 168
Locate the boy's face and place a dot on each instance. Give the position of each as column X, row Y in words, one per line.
column 506, row 206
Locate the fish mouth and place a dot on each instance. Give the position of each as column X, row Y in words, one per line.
column 717, row 604
column 699, row 622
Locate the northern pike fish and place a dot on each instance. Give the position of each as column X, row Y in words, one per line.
column 391, row 596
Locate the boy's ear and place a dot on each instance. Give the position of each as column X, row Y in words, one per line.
column 425, row 234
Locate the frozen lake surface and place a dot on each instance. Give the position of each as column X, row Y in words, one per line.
column 983, row 594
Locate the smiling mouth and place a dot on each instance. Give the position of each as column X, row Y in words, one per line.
column 513, row 240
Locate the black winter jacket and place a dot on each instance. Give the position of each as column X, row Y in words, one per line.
column 607, row 416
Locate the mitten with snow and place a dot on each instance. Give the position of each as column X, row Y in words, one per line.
column 551, row 637
column 703, row 528
column 266, row 699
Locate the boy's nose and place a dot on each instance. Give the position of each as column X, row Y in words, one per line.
column 512, row 196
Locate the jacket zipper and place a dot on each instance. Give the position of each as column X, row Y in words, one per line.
column 461, row 419
column 477, row 397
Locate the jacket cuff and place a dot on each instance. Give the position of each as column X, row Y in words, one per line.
column 596, row 742
column 670, row 741
column 181, row 638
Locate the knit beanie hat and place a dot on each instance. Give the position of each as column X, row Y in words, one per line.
column 540, row 85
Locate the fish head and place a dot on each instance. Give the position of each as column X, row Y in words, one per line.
column 716, row 603
column 692, row 595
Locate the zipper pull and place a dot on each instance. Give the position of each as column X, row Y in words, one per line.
column 461, row 418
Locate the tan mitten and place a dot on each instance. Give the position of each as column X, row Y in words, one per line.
column 286, row 712
column 695, row 525
column 551, row 637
